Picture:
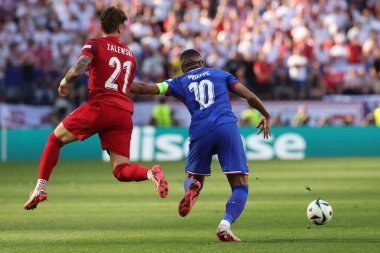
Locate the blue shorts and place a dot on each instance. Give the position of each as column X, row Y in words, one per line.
column 226, row 142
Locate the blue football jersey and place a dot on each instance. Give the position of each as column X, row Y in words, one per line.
column 205, row 92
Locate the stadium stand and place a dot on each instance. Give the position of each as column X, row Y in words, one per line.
column 296, row 49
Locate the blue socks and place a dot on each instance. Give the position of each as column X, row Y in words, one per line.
column 236, row 203
column 187, row 183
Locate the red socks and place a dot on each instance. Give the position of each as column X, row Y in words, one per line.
column 49, row 157
column 130, row 172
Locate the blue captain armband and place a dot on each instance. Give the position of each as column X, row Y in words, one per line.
column 163, row 87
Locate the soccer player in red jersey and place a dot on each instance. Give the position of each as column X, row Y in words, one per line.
column 108, row 111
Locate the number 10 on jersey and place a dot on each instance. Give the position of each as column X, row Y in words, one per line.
column 200, row 90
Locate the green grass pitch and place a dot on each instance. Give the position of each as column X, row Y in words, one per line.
column 89, row 211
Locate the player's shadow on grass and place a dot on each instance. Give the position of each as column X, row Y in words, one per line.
column 344, row 240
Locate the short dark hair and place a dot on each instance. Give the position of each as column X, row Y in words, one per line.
column 111, row 18
column 190, row 59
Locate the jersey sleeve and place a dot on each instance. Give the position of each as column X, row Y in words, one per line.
column 175, row 89
column 231, row 80
column 90, row 48
column 172, row 87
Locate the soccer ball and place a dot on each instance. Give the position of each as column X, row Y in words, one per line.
column 319, row 211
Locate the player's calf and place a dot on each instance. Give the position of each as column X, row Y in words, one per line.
column 126, row 172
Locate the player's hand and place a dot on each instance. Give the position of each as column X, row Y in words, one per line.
column 264, row 126
column 64, row 88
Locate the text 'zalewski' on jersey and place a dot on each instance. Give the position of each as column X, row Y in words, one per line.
column 111, row 70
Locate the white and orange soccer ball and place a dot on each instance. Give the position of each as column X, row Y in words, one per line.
column 319, row 211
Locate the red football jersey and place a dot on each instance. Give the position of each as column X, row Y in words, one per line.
column 111, row 70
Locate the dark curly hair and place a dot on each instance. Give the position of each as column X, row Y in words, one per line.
column 111, row 18
column 190, row 59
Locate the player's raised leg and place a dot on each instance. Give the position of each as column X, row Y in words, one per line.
column 198, row 166
column 192, row 186
column 234, row 206
column 49, row 159
column 126, row 172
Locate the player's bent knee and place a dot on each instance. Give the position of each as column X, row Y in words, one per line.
column 64, row 135
column 53, row 139
column 116, row 159
column 237, row 179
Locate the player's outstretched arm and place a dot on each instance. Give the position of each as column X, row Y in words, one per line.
column 256, row 103
column 73, row 74
column 140, row 88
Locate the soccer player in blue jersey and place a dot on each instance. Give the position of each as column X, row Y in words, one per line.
column 213, row 130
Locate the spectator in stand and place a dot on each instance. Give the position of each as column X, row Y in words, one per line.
column 348, row 120
column 277, row 121
column 282, row 88
column 375, row 71
column 162, row 114
column 62, row 108
column 301, row 118
column 152, row 67
column 324, row 121
column 369, row 120
column 219, row 29
column 3, row 57
column 321, row 55
column 332, row 81
column 354, row 51
column 371, row 44
column 264, row 76
column 375, row 23
column 339, row 54
column 297, row 64
column 352, row 83
column 376, row 114
column 249, row 117
column 366, row 81
column 358, row 32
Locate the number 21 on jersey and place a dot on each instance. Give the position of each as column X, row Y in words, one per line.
column 200, row 90
column 115, row 63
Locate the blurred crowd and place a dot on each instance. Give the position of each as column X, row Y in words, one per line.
column 250, row 118
column 282, row 49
